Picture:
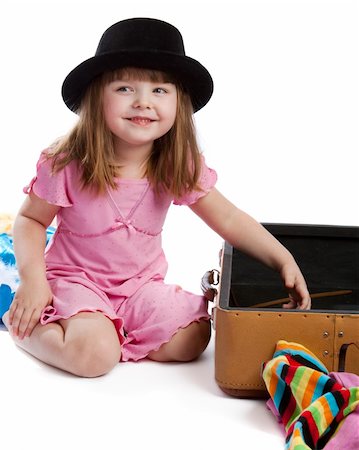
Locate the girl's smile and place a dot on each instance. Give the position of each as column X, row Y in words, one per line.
column 139, row 120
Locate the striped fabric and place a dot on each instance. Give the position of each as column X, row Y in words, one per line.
column 310, row 403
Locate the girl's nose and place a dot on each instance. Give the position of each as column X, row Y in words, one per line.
column 142, row 100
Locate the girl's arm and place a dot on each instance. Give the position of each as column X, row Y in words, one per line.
column 250, row 237
column 34, row 291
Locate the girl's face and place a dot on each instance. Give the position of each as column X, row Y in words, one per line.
column 138, row 112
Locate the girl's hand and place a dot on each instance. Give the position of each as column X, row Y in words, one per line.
column 30, row 299
column 296, row 286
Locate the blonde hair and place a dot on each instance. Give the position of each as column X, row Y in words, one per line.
column 174, row 164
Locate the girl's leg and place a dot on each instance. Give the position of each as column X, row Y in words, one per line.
column 86, row 344
column 186, row 345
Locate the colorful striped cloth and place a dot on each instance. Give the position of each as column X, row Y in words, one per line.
column 311, row 404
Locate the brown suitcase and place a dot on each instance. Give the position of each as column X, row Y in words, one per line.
column 247, row 330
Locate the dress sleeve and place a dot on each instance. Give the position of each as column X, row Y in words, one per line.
column 207, row 180
column 52, row 187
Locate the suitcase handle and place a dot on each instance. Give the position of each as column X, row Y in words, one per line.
column 343, row 354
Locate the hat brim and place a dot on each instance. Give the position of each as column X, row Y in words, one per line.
column 193, row 76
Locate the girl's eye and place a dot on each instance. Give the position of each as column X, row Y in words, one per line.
column 160, row 91
column 124, row 89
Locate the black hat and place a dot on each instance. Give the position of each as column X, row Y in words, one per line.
column 145, row 43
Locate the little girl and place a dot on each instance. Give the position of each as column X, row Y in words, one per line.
column 98, row 295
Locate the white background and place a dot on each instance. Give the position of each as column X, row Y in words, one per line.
column 281, row 130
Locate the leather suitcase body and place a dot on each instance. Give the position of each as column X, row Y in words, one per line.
column 246, row 332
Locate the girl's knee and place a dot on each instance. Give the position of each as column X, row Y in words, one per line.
column 92, row 357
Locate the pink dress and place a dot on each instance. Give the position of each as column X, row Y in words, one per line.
column 107, row 256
